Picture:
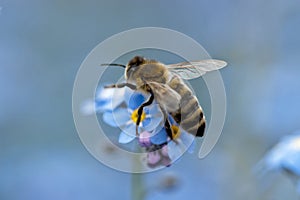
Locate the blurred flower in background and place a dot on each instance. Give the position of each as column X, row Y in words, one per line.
column 168, row 182
column 284, row 157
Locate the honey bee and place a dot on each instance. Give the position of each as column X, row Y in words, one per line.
column 165, row 85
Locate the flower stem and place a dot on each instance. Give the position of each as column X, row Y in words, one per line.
column 138, row 191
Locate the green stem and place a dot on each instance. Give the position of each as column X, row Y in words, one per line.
column 138, row 191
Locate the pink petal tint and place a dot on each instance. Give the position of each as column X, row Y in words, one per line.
column 164, row 151
column 159, row 157
column 144, row 139
column 153, row 158
column 166, row 161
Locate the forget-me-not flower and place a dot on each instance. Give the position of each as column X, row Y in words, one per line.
column 120, row 109
column 182, row 141
column 126, row 117
column 107, row 99
column 161, row 149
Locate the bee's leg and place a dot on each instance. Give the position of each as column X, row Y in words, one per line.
column 120, row 85
column 141, row 108
column 168, row 127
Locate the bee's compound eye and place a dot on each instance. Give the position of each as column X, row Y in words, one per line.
column 136, row 61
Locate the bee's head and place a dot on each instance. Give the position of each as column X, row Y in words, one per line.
column 133, row 64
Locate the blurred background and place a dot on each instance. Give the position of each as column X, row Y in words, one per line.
column 43, row 43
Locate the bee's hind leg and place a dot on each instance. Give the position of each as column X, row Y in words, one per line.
column 121, row 85
column 140, row 110
column 168, row 127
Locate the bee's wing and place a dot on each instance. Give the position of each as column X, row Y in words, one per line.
column 168, row 98
column 195, row 69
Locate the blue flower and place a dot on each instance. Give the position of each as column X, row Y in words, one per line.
column 107, row 99
column 285, row 156
column 125, row 117
column 120, row 106
column 166, row 150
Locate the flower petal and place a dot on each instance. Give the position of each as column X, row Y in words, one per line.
column 135, row 100
column 103, row 105
column 130, row 129
column 127, row 94
column 174, row 150
column 125, row 138
column 88, row 107
column 188, row 140
column 285, row 153
column 192, row 147
column 146, row 122
column 159, row 137
column 166, row 161
column 155, row 116
column 109, row 119
column 116, row 118
column 121, row 116
column 109, row 93
column 164, row 151
column 153, row 158
column 108, row 99
column 144, row 139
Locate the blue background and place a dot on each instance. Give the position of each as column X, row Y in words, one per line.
column 42, row 44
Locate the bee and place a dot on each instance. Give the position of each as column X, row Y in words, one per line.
column 165, row 84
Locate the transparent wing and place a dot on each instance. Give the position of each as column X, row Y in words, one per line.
column 195, row 69
column 165, row 96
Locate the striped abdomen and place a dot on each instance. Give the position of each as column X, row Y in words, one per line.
column 189, row 115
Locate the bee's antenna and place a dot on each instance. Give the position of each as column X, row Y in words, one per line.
column 113, row 64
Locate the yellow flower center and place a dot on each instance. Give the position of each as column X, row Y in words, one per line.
column 175, row 132
column 134, row 116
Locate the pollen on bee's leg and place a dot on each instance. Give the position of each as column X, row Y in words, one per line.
column 175, row 133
